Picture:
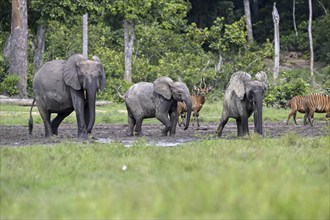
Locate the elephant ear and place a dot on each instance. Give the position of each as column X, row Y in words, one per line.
column 102, row 76
column 262, row 77
column 237, row 83
column 162, row 87
column 102, row 79
column 70, row 72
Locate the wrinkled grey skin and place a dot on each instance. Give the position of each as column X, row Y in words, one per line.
column 158, row 99
column 64, row 86
column 243, row 97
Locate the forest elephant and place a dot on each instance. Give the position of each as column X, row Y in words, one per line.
column 64, row 86
column 243, row 97
column 158, row 99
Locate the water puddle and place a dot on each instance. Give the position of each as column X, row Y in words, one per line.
column 158, row 143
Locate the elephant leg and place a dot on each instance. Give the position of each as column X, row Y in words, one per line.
column 86, row 116
column 45, row 115
column 138, row 126
column 57, row 121
column 223, row 122
column 240, row 130
column 173, row 119
column 131, row 125
column 79, row 106
column 165, row 120
column 245, row 126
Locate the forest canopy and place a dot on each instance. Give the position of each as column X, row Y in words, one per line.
column 191, row 39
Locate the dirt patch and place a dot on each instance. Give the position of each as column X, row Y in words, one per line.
column 105, row 133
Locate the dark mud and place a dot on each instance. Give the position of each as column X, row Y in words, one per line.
column 106, row 133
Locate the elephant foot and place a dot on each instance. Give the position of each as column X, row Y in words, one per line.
column 139, row 134
column 83, row 136
column 164, row 132
column 129, row 133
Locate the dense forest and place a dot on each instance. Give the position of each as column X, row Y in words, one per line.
column 141, row 40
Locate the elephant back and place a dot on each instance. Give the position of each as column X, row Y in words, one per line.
column 49, row 72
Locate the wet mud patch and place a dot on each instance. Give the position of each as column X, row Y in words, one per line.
column 107, row 133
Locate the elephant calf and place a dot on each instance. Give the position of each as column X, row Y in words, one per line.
column 158, row 99
column 64, row 86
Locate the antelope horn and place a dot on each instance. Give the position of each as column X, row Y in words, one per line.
column 204, row 84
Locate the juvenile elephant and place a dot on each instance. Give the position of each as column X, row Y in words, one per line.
column 158, row 99
column 243, row 97
column 64, row 86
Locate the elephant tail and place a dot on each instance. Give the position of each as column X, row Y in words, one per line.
column 31, row 118
column 120, row 95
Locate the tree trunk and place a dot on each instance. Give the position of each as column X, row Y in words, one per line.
column 85, row 35
column 129, row 37
column 294, row 16
column 248, row 21
column 39, row 48
column 311, row 38
column 18, row 44
column 276, row 20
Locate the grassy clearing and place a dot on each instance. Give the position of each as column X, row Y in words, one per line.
column 244, row 178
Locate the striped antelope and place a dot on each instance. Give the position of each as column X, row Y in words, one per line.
column 316, row 103
column 197, row 100
column 296, row 105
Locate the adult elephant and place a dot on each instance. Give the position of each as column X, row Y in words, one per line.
column 243, row 97
column 64, row 86
column 158, row 99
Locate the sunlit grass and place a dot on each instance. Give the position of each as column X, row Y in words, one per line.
column 249, row 178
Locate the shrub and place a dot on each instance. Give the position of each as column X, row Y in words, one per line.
column 9, row 85
column 277, row 96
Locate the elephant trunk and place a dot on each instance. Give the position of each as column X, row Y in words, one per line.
column 90, row 113
column 189, row 109
column 258, row 123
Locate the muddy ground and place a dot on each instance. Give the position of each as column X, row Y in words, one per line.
column 105, row 133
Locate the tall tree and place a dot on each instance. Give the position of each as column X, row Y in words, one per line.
column 38, row 47
column 247, row 12
column 18, row 44
column 294, row 16
column 276, row 20
column 310, row 36
column 85, row 35
column 134, row 12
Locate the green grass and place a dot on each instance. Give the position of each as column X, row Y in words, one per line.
column 251, row 178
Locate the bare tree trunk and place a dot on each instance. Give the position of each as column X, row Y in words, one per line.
column 85, row 35
column 311, row 38
column 276, row 20
column 39, row 47
column 129, row 37
column 248, row 21
column 18, row 44
column 294, row 16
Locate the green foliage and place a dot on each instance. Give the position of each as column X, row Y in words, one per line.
column 321, row 36
column 285, row 177
column 9, row 85
column 292, row 85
